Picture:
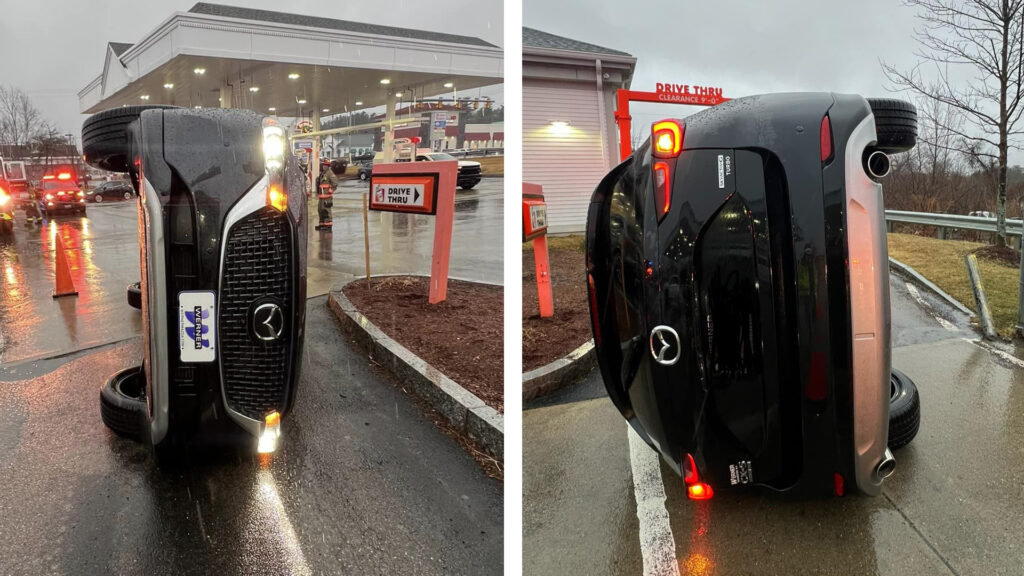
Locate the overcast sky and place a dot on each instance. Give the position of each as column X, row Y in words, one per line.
column 743, row 47
column 52, row 48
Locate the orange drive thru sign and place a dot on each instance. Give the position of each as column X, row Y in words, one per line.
column 404, row 193
column 421, row 188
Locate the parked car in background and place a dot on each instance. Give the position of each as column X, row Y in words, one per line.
column 113, row 190
column 365, row 170
column 469, row 171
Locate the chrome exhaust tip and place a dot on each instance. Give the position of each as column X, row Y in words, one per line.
column 877, row 164
column 886, row 467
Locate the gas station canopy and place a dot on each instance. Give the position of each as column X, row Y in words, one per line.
column 286, row 64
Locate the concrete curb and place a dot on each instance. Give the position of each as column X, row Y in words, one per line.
column 917, row 277
column 560, row 373
column 463, row 409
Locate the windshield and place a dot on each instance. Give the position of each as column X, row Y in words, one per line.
column 438, row 156
column 58, row 185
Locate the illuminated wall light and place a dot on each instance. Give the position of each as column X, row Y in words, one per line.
column 385, row 81
column 326, row 110
column 254, row 88
column 272, row 109
column 560, row 128
column 398, row 94
column 449, row 85
column 169, row 85
column 144, row 96
column 293, row 76
column 303, row 101
column 199, row 71
column 359, row 102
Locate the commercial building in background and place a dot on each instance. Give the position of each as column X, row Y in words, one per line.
column 448, row 127
column 569, row 132
column 288, row 65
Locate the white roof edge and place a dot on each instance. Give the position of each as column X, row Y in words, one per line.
column 576, row 55
column 301, row 31
column 90, row 86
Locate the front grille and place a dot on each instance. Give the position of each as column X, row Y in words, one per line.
column 469, row 171
column 257, row 269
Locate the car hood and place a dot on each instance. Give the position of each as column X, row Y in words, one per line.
column 467, row 163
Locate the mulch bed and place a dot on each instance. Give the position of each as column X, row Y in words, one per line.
column 548, row 339
column 462, row 336
column 1002, row 254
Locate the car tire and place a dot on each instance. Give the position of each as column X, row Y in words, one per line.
column 362, row 176
column 134, row 292
column 467, row 186
column 97, row 198
column 127, row 195
column 123, row 403
column 904, row 410
column 105, row 140
column 895, row 124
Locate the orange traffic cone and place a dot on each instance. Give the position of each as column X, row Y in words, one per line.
column 65, row 286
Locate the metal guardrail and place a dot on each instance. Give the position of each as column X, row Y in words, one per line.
column 952, row 221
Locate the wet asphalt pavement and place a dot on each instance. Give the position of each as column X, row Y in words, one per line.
column 363, row 483
column 103, row 255
column 955, row 504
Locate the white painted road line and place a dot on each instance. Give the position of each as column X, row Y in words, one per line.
column 1004, row 355
column 924, row 304
column 656, row 543
column 916, row 295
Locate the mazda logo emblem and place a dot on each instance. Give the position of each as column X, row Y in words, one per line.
column 268, row 321
column 665, row 345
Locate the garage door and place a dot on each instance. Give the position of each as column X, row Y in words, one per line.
column 563, row 149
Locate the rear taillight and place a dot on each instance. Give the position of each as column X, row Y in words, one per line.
column 826, row 139
column 689, row 469
column 666, row 139
column 662, row 189
column 699, row 491
column 594, row 320
column 666, row 143
column 695, row 489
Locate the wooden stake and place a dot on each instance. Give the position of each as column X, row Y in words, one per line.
column 366, row 237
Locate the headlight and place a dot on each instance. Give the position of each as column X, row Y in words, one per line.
column 49, row 196
column 273, row 146
column 80, row 194
column 4, row 199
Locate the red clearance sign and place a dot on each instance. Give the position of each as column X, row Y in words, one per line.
column 687, row 94
column 404, row 193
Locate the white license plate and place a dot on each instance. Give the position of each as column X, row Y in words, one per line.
column 197, row 314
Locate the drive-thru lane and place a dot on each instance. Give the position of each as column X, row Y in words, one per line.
column 954, row 505
column 363, row 484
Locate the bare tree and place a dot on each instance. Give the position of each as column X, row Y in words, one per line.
column 20, row 121
column 980, row 40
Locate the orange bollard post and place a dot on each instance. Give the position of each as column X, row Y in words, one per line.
column 65, row 285
column 540, row 258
